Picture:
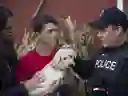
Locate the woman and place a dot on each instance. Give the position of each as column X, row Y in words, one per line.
column 8, row 60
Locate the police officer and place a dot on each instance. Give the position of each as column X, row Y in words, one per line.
column 107, row 71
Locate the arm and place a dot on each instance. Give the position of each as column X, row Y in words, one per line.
column 84, row 68
column 8, row 88
column 45, row 88
column 123, row 77
column 47, row 82
column 18, row 90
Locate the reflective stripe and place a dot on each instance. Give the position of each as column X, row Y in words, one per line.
column 98, row 89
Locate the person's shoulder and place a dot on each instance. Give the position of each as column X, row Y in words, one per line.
column 30, row 55
column 125, row 45
column 124, row 51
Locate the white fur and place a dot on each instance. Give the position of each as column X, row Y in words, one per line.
column 52, row 74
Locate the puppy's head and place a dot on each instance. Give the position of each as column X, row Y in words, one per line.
column 67, row 60
column 64, row 58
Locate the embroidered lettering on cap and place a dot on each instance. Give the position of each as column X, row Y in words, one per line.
column 106, row 64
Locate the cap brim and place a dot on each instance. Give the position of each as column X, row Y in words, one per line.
column 98, row 24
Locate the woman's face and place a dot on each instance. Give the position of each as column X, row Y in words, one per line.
column 8, row 31
column 49, row 34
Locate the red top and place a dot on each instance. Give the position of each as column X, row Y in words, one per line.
column 30, row 64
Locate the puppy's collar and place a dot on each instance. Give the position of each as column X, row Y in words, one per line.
column 67, row 46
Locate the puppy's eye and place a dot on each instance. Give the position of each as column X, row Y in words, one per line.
column 65, row 58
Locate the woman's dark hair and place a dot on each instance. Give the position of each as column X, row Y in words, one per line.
column 39, row 21
column 5, row 13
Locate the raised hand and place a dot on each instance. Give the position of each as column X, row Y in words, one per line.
column 68, row 28
column 29, row 42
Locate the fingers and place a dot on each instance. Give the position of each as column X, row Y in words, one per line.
column 26, row 34
column 70, row 23
column 25, row 37
column 29, row 38
column 29, row 42
column 40, row 76
column 37, row 74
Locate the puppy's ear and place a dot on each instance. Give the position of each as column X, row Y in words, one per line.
column 56, row 61
column 60, row 60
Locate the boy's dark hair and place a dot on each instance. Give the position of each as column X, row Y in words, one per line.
column 39, row 21
column 5, row 13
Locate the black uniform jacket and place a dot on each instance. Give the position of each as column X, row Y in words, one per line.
column 107, row 69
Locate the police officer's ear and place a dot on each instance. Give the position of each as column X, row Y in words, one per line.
column 119, row 30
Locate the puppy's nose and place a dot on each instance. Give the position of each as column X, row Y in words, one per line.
column 71, row 65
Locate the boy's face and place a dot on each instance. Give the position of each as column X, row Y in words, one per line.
column 50, row 34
